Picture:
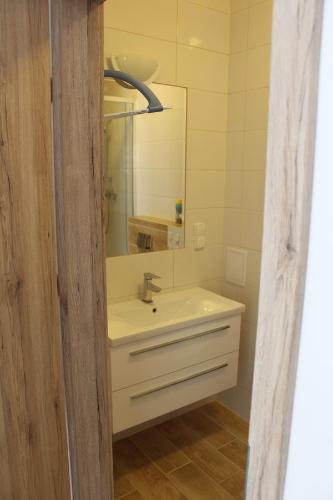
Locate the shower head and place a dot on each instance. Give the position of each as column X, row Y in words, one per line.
column 154, row 104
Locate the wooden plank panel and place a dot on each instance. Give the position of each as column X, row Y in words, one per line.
column 142, row 473
column 235, row 485
column 33, row 443
column 227, row 419
column 292, row 126
column 198, row 450
column 159, row 450
column 215, row 434
column 196, row 485
column 77, row 55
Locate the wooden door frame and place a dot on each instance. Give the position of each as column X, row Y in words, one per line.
column 296, row 46
column 289, row 175
column 33, row 455
column 33, row 438
column 77, row 81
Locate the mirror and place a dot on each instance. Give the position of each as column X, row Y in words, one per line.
column 144, row 171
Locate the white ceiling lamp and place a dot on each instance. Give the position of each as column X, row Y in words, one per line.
column 140, row 67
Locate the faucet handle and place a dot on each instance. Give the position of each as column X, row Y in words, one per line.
column 151, row 276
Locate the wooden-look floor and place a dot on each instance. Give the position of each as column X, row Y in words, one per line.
column 198, row 456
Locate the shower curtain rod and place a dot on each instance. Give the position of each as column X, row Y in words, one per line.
column 154, row 104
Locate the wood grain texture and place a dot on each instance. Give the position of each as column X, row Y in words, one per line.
column 77, row 53
column 198, row 450
column 33, row 442
column 224, row 417
column 159, row 450
column 292, row 126
column 196, row 485
column 147, row 462
column 142, row 473
column 235, row 485
column 208, row 429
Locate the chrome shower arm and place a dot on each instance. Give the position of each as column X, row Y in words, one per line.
column 154, row 105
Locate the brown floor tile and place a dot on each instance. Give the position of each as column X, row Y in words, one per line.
column 142, row 474
column 160, row 450
column 196, row 485
column 122, row 486
column 229, row 420
column 236, row 452
column 210, row 460
column 235, row 485
column 215, row 434
column 135, row 495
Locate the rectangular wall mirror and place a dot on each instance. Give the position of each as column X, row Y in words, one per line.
column 145, row 158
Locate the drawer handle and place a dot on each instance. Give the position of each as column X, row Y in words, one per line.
column 177, row 341
column 178, row 381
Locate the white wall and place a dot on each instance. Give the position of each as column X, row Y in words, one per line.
column 249, row 71
column 190, row 39
column 310, row 462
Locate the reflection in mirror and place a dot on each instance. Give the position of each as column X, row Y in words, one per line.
column 144, row 171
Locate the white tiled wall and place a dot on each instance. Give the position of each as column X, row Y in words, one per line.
column 250, row 38
column 191, row 41
column 219, row 50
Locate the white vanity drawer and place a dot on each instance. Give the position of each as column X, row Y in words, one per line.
column 142, row 402
column 142, row 360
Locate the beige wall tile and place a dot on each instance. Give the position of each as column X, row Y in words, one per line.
column 221, row 5
column 236, row 111
column 202, row 69
column 207, row 111
column 233, row 189
column 203, row 28
column 235, row 150
column 214, row 286
column 237, row 5
column 213, row 220
column 232, row 227
column 246, row 152
column 153, row 18
column 239, row 31
column 125, row 273
column 206, row 150
column 255, row 2
column 195, row 267
column 233, row 292
column 205, row 189
column 260, row 24
column 251, row 229
column 253, row 268
column 256, row 109
column 253, row 190
column 251, row 299
column 165, row 52
column 237, row 72
column 255, row 150
column 258, row 67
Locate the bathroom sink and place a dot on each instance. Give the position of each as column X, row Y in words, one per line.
column 135, row 319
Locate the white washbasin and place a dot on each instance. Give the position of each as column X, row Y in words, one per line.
column 134, row 319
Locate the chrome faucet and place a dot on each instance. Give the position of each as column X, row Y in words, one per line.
column 149, row 287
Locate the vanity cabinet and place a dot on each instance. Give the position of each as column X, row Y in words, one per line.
column 161, row 373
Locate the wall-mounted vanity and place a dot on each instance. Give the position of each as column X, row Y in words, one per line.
column 180, row 349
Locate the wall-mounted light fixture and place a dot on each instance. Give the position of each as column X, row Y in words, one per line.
column 142, row 68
